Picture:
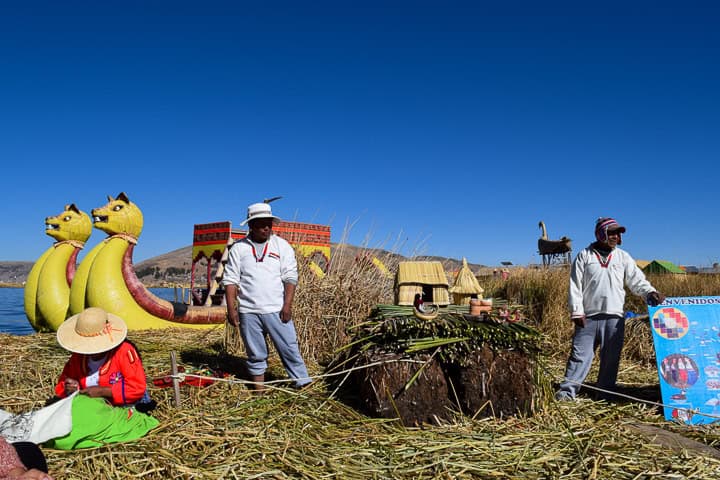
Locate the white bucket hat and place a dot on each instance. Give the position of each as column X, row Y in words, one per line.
column 92, row 331
column 259, row 210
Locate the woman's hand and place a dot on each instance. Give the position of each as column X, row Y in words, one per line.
column 32, row 474
column 96, row 391
column 71, row 385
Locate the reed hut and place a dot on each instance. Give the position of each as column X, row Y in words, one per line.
column 465, row 286
column 425, row 278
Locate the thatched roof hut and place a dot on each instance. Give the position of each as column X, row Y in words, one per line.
column 426, row 278
column 465, row 285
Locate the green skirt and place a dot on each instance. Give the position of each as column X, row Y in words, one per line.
column 96, row 423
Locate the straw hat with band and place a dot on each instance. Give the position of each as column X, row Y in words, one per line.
column 605, row 225
column 259, row 210
column 92, row 331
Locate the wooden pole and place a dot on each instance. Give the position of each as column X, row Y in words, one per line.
column 176, row 381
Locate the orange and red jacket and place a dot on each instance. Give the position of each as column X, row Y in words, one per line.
column 122, row 372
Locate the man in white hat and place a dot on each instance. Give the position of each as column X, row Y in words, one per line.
column 260, row 278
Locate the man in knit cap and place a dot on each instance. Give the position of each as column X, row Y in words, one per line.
column 597, row 296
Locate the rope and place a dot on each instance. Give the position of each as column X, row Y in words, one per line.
column 636, row 399
column 182, row 376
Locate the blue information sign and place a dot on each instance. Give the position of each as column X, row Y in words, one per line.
column 686, row 333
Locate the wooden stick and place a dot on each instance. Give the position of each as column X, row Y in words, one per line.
column 176, row 381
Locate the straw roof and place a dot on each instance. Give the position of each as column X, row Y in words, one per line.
column 642, row 263
column 465, row 282
column 427, row 273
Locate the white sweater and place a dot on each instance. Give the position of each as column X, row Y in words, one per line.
column 595, row 289
column 261, row 283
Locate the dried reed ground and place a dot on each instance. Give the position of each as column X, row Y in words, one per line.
column 222, row 431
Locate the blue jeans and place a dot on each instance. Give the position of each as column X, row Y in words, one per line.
column 606, row 332
column 254, row 327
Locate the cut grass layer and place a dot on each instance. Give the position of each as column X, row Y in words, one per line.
column 224, row 432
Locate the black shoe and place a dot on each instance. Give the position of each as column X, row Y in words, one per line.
column 146, row 407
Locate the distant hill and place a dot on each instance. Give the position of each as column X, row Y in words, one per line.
column 14, row 272
column 174, row 266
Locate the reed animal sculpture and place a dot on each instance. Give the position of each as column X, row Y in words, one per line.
column 106, row 277
column 47, row 289
column 553, row 251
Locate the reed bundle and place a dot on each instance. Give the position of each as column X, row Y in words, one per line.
column 453, row 333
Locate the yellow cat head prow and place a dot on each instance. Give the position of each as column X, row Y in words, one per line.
column 71, row 224
column 119, row 216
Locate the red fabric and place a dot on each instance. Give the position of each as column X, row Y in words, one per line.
column 123, row 372
column 167, row 381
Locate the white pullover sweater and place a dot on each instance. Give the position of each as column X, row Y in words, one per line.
column 597, row 289
column 260, row 273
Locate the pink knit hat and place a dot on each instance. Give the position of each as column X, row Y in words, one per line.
column 605, row 225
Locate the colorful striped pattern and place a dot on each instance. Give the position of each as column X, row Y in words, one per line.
column 603, row 225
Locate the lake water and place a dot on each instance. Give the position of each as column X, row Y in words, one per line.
column 12, row 309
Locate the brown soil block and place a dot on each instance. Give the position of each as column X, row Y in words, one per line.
column 382, row 390
column 494, row 383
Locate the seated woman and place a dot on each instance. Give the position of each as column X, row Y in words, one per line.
column 103, row 362
column 103, row 365
column 18, row 459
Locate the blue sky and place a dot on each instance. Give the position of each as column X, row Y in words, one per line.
column 441, row 128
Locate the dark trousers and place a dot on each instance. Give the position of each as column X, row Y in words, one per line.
column 31, row 456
